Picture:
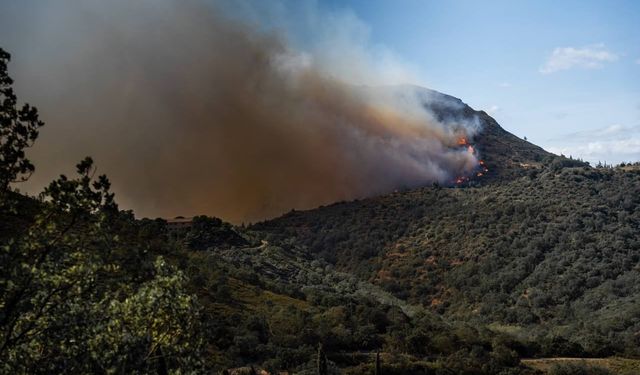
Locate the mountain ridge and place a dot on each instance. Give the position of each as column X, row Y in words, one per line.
column 538, row 246
column 505, row 155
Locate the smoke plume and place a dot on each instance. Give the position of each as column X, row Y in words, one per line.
column 193, row 107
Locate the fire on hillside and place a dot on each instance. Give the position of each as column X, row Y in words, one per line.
column 480, row 170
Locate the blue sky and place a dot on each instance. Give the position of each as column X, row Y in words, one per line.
column 564, row 74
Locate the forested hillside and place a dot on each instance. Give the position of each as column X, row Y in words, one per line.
column 543, row 247
column 538, row 258
column 553, row 253
column 87, row 288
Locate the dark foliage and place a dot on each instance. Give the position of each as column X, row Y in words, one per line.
column 544, row 261
column 558, row 249
column 210, row 232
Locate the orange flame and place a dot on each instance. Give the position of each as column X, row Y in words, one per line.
column 480, row 170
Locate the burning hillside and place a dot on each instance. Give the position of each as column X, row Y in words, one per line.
column 478, row 171
column 498, row 154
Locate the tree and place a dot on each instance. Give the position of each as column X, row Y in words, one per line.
column 321, row 361
column 209, row 232
column 18, row 131
column 47, row 273
column 151, row 330
column 69, row 302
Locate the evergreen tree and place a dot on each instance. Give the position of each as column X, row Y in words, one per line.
column 69, row 299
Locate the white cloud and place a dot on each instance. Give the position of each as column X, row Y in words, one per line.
column 611, row 144
column 505, row 85
column 638, row 61
column 615, row 152
column 590, row 57
column 611, row 132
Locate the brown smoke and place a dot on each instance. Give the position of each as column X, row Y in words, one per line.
column 190, row 112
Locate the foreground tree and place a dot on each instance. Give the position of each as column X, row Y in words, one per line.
column 18, row 130
column 70, row 301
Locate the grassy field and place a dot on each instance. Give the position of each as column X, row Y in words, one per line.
column 618, row 366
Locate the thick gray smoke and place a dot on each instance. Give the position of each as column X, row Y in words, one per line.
column 191, row 107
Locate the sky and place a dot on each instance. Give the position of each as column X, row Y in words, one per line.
column 194, row 106
column 566, row 75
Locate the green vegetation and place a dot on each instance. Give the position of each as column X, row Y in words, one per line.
column 554, row 256
column 578, row 369
column 84, row 288
column 532, row 261
column 614, row 365
column 542, row 248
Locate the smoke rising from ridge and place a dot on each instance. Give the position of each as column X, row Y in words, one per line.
column 192, row 108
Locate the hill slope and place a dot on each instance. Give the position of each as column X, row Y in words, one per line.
column 544, row 251
column 505, row 155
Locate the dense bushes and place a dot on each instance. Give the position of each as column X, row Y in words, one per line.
column 577, row 369
column 558, row 248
